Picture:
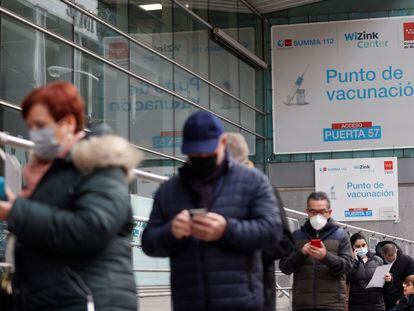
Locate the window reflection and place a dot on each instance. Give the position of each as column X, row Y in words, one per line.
column 152, row 27
column 105, row 91
column 152, row 122
column 26, row 56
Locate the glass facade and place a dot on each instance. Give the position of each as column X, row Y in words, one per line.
column 141, row 69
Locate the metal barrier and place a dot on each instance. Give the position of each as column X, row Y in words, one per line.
column 21, row 143
column 17, row 142
column 152, row 291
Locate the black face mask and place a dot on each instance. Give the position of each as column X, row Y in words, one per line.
column 202, row 167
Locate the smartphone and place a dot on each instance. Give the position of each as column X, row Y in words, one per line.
column 196, row 211
column 316, row 243
column 3, row 196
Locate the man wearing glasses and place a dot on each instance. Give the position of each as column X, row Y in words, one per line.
column 323, row 258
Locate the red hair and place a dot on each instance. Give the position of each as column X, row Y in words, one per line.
column 61, row 98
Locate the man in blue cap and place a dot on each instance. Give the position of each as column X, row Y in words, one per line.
column 212, row 220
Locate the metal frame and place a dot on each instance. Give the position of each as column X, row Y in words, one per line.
column 252, row 8
column 25, row 144
column 104, row 60
column 9, row 105
column 12, row 106
column 225, row 39
column 127, row 36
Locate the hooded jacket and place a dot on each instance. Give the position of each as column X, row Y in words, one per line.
column 73, row 232
column 320, row 284
column 402, row 267
column 360, row 297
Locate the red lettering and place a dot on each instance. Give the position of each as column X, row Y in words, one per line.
column 351, row 125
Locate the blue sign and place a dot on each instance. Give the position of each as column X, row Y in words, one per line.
column 330, row 135
column 367, row 213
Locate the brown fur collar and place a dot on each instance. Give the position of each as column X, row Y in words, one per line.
column 103, row 151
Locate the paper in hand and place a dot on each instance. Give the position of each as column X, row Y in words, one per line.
column 377, row 279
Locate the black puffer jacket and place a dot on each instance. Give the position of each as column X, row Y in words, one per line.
column 73, row 233
column 401, row 268
column 361, row 298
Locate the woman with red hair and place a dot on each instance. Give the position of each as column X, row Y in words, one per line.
column 73, row 221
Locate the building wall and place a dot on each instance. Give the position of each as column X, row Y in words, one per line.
column 294, row 174
column 325, row 11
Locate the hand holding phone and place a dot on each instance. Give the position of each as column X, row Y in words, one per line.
column 197, row 211
column 316, row 243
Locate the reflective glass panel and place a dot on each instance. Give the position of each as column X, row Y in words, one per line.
column 28, row 59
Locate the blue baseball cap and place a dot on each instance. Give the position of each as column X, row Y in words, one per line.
column 202, row 132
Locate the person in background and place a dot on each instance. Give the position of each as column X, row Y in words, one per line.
column 402, row 267
column 73, row 222
column 237, row 146
column 323, row 259
column 212, row 220
column 406, row 303
column 365, row 263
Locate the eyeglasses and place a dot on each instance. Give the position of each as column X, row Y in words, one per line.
column 315, row 212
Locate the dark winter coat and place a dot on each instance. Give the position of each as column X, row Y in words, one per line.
column 405, row 304
column 73, row 233
column 283, row 248
column 320, row 284
column 360, row 297
column 401, row 268
column 227, row 274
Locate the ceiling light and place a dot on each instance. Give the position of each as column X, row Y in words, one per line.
column 151, row 7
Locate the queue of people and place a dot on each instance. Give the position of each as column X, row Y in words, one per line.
column 332, row 271
column 219, row 220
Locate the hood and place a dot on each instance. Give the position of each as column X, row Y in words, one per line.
column 381, row 244
column 103, row 151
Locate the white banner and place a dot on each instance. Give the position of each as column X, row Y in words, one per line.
column 343, row 85
column 360, row 189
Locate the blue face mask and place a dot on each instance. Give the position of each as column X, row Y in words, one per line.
column 46, row 147
column 361, row 252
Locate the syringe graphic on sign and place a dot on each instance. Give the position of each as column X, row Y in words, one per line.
column 297, row 91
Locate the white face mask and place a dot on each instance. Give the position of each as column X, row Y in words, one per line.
column 318, row 222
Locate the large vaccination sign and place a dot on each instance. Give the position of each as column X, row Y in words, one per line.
column 343, row 85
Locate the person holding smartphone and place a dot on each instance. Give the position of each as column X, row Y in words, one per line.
column 213, row 220
column 322, row 261
column 365, row 263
